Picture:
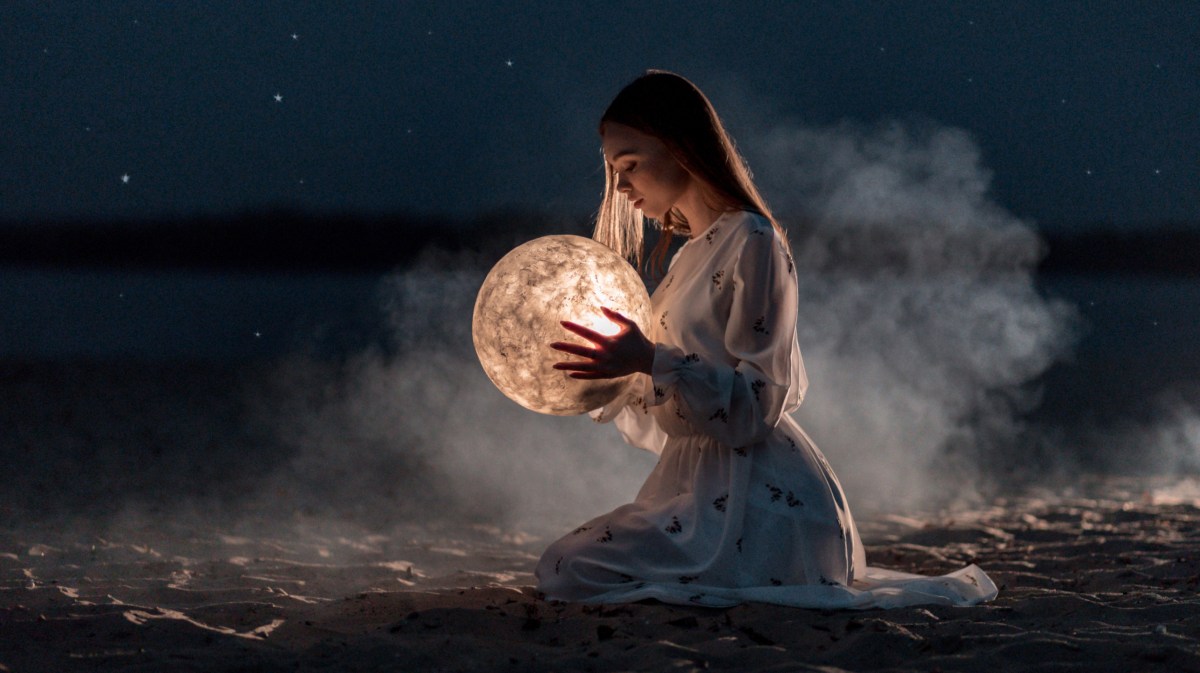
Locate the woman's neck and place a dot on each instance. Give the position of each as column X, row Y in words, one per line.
column 698, row 213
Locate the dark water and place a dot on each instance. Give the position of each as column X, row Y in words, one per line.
column 73, row 315
column 172, row 386
column 1137, row 337
column 1137, row 343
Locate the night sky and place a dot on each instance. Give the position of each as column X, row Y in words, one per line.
column 1084, row 112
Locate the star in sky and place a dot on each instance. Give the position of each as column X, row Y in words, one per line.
column 508, row 63
column 125, row 178
column 295, row 36
column 278, row 98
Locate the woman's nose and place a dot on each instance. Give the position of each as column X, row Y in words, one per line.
column 623, row 185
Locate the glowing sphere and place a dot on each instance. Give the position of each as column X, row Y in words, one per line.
column 517, row 316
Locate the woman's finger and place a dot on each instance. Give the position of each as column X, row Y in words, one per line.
column 575, row 349
column 594, row 337
column 577, row 366
column 591, row 375
column 617, row 317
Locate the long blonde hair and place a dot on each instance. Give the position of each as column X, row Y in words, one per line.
column 672, row 109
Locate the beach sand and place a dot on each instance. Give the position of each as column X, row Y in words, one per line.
column 1087, row 582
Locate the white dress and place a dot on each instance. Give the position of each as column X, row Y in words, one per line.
column 741, row 506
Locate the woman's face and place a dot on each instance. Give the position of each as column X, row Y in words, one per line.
column 645, row 171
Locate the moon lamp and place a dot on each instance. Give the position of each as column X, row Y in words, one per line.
column 519, row 308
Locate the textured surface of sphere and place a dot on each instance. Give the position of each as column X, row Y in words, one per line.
column 517, row 316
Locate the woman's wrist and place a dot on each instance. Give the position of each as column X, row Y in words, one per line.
column 646, row 366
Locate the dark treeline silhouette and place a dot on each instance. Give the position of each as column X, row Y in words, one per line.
column 1169, row 249
column 288, row 241
column 280, row 241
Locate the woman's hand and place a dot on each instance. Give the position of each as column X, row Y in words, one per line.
column 608, row 357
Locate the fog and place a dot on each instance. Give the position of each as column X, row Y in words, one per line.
column 922, row 330
column 919, row 322
column 414, row 431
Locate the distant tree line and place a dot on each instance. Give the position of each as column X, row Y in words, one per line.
column 1172, row 249
column 269, row 241
column 287, row 241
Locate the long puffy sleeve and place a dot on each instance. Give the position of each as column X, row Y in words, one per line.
column 737, row 391
column 633, row 419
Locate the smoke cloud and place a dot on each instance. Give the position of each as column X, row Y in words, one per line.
column 919, row 320
column 923, row 334
column 414, row 430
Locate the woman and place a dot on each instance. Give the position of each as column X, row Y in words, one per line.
column 742, row 506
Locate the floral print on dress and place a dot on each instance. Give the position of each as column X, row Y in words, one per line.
column 639, row 403
column 776, row 492
column 760, row 502
column 675, row 526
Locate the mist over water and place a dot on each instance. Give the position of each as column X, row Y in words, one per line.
column 922, row 330
column 414, row 430
column 919, row 321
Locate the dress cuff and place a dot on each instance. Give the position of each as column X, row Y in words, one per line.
column 639, row 390
column 663, row 373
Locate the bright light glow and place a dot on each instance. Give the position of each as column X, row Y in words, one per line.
column 522, row 303
column 598, row 323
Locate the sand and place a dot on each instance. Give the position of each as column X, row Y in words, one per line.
column 1086, row 583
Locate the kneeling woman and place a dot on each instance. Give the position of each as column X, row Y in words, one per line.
column 741, row 506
